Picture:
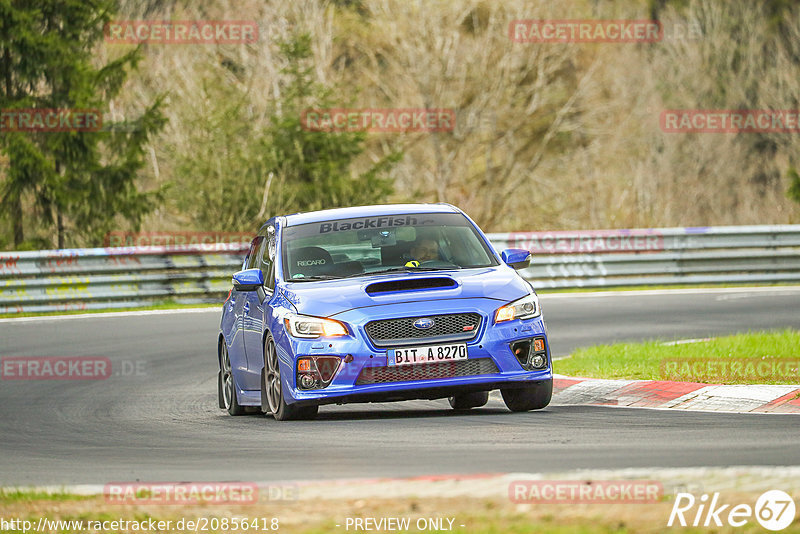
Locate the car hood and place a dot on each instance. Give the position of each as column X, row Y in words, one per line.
column 326, row 298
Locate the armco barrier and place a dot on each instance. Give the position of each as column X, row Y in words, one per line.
column 669, row 256
column 82, row 279
column 96, row 278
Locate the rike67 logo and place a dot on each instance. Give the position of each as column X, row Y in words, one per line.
column 774, row 510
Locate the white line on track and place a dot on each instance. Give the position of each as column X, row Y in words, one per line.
column 682, row 291
column 546, row 296
column 103, row 315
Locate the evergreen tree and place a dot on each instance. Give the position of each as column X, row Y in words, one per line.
column 314, row 167
column 238, row 175
column 21, row 47
column 79, row 181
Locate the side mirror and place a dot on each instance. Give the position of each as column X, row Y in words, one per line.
column 517, row 258
column 248, row 280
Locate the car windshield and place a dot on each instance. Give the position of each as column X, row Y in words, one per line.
column 369, row 245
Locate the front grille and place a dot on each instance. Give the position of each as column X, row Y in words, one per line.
column 426, row 371
column 399, row 332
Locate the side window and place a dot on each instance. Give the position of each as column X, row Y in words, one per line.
column 259, row 257
column 253, row 254
column 267, row 255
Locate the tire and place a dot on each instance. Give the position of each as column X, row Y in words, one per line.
column 272, row 400
column 226, row 384
column 465, row 401
column 534, row 397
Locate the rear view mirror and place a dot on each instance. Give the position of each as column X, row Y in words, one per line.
column 379, row 238
column 248, row 280
column 384, row 238
column 517, row 258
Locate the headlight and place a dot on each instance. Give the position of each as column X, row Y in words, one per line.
column 524, row 308
column 311, row 327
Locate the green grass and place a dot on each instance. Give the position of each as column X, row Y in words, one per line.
column 480, row 516
column 512, row 525
column 739, row 359
column 9, row 496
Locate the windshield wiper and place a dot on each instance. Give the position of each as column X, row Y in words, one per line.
column 402, row 269
column 315, row 278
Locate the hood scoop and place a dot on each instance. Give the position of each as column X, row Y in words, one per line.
column 410, row 284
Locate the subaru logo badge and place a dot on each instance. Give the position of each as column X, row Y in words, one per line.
column 424, row 323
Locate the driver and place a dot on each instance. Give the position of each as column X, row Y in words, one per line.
column 426, row 249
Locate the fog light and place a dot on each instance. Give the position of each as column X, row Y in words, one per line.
column 307, row 381
column 531, row 353
column 538, row 361
column 316, row 372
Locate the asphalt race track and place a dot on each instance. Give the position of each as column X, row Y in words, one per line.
column 155, row 418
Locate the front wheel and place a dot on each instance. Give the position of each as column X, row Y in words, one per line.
column 272, row 400
column 533, row 397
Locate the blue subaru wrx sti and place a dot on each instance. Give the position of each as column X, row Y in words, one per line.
column 376, row 304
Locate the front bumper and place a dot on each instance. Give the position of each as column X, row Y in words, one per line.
column 420, row 391
column 492, row 342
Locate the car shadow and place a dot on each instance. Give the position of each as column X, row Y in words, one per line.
column 367, row 414
column 355, row 412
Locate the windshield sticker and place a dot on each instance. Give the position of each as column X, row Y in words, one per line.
column 369, row 222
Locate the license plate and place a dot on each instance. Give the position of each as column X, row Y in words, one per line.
column 427, row 354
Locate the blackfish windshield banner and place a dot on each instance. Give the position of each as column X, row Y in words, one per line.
column 376, row 223
column 366, row 223
column 364, row 228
